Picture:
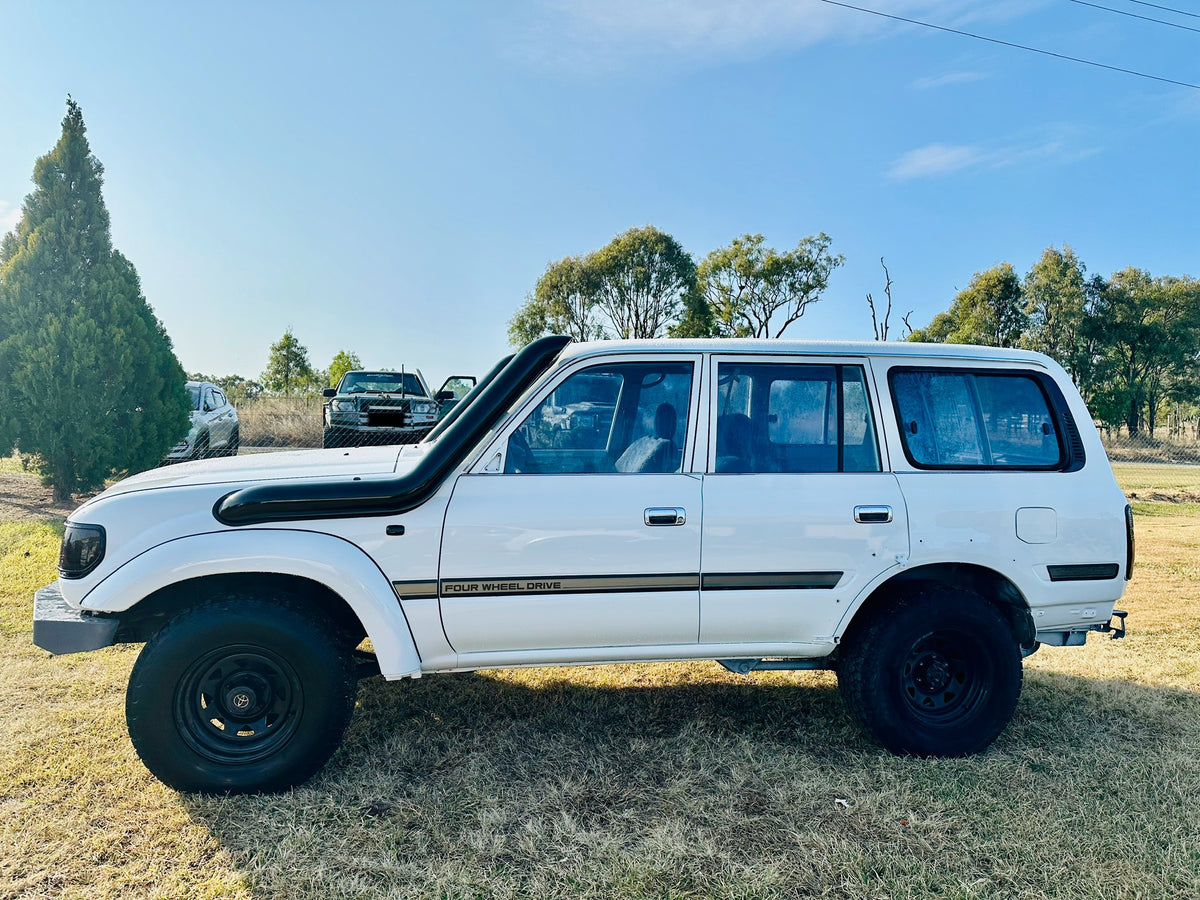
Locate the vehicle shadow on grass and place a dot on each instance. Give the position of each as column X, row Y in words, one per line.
column 480, row 776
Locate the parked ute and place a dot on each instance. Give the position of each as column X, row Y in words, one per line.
column 915, row 517
column 378, row 408
column 387, row 407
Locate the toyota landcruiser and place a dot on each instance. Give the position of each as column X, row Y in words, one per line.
column 917, row 518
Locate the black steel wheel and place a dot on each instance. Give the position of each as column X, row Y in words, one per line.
column 240, row 695
column 933, row 673
column 238, row 704
column 944, row 677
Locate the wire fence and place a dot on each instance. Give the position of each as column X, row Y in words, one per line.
column 1181, row 448
column 296, row 423
column 278, row 423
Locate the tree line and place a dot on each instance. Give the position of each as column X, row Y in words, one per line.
column 1130, row 342
column 289, row 373
column 644, row 284
column 90, row 385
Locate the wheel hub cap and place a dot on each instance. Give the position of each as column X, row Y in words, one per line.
column 932, row 673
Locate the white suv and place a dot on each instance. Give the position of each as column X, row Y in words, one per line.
column 214, row 430
column 915, row 517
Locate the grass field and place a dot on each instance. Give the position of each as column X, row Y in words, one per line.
column 635, row 781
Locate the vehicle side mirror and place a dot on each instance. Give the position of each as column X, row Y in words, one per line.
column 444, row 395
column 329, row 392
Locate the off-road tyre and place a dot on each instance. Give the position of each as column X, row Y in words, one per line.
column 240, row 695
column 934, row 672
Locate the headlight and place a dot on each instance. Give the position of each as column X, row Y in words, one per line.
column 422, row 407
column 343, row 405
column 82, row 550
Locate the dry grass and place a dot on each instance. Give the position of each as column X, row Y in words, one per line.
column 634, row 781
column 281, row 422
column 1159, row 481
column 1180, row 448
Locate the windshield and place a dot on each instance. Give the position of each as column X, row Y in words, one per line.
column 194, row 393
column 381, row 382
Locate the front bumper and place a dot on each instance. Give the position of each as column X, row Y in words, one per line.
column 61, row 628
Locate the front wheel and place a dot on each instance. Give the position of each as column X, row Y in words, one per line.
column 238, row 696
column 932, row 673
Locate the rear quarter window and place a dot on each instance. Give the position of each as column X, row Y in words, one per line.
column 982, row 419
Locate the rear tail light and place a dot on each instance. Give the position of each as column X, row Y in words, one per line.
column 1129, row 542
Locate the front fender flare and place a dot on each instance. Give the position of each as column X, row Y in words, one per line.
column 331, row 561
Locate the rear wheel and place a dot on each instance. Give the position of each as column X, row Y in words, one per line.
column 933, row 673
column 240, row 695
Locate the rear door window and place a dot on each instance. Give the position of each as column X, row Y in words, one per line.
column 963, row 419
column 789, row 417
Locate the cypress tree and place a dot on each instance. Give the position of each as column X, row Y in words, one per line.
column 89, row 383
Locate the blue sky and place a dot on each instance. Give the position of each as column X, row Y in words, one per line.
column 392, row 178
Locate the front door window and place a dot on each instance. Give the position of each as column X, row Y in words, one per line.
column 626, row 417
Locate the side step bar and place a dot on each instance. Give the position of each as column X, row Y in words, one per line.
column 746, row 666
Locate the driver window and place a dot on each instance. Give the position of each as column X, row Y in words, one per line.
column 623, row 417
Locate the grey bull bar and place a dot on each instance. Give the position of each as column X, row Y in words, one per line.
column 61, row 628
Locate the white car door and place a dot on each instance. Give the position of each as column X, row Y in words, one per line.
column 220, row 422
column 799, row 512
column 579, row 526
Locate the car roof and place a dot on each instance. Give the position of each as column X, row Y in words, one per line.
column 891, row 349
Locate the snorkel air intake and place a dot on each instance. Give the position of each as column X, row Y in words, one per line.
column 346, row 499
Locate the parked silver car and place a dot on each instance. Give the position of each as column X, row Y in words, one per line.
column 214, row 429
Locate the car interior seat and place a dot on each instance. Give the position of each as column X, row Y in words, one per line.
column 657, row 452
column 734, row 443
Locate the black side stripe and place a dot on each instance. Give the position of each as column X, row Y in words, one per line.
column 612, row 584
column 571, row 584
column 416, row 590
column 1089, row 572
column 770, row 581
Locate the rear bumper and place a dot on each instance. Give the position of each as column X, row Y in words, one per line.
column 61, row 628
column 1076, row 637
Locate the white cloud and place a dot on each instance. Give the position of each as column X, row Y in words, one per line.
column 1051, row 146
column 937, row 81
column 602, row 34
column 934, row 159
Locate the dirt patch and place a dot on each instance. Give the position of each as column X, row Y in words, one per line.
column 23, row 497
column 1168, row 496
